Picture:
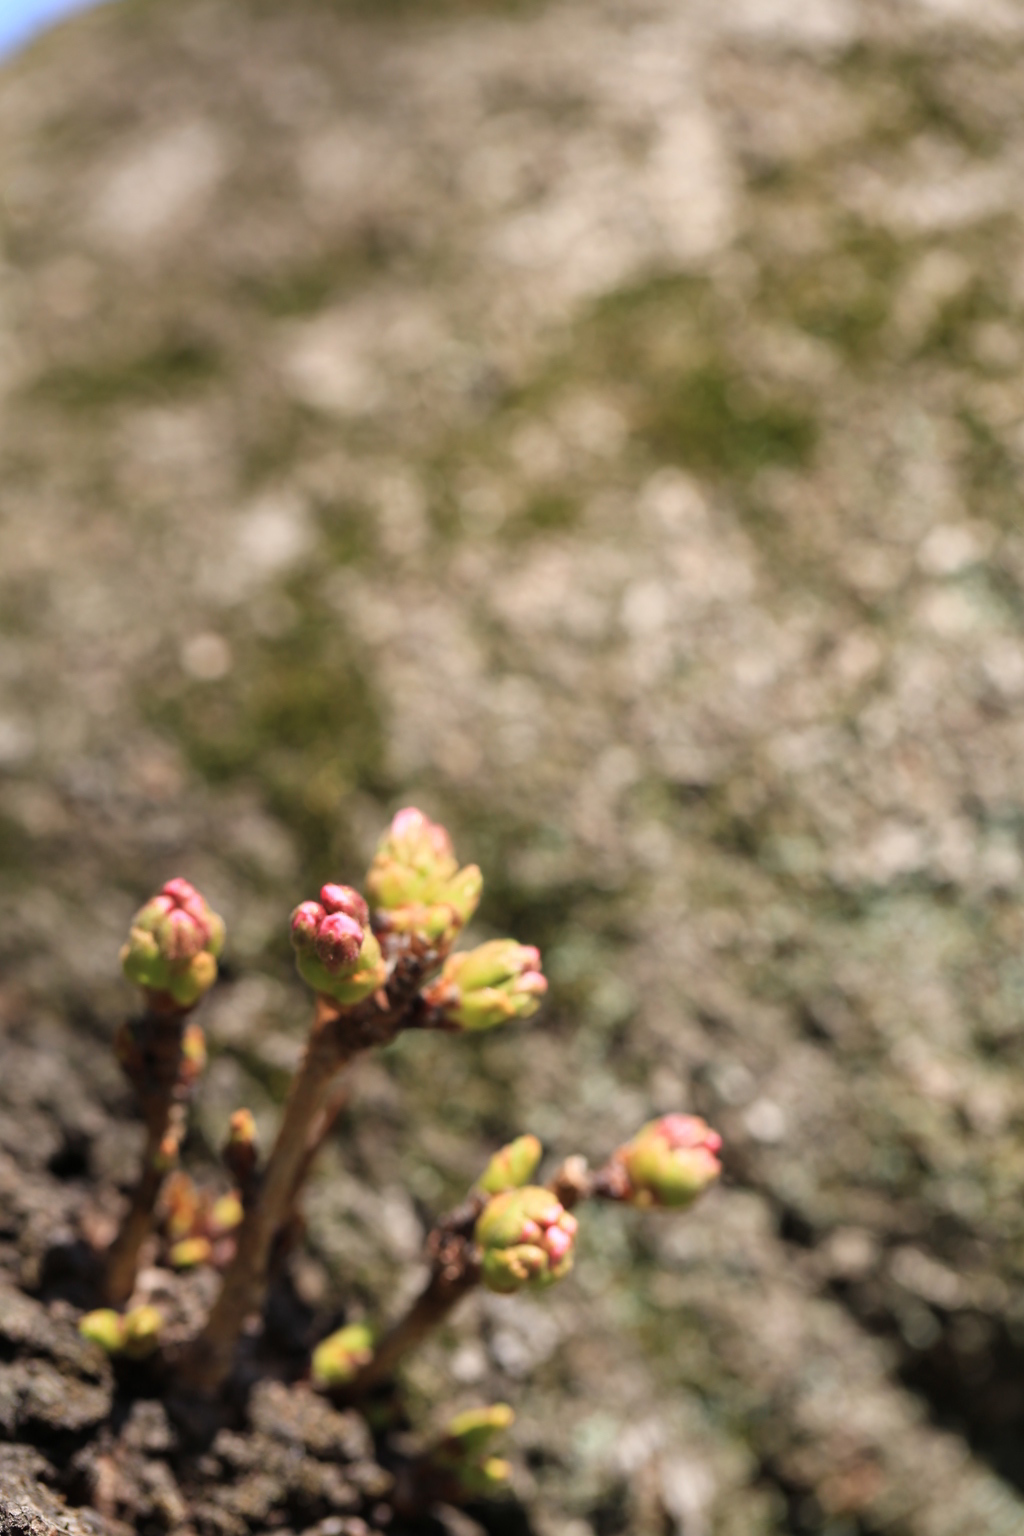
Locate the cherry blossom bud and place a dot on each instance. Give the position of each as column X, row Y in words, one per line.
column 470, row 1433
column 240, row 1152
column 415, row 883
column 183, row 1205
column 527, row 1238
column 142, row 1328
column 104, row 1327
column 335, row 955
column 512, row 1167
column 462, row 1452
column 242, row 1128
column 306, row 920
column 343, row 898
column 337, row 1359
column 480, row 988
column 489, row 1478
column 226, row 1214
column 166, row 1156
column 671, row 1161
column 173, row 945
column 190, row 1252
column 193, row 1055
column 338, row 942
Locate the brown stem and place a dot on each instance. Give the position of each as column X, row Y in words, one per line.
column 292, row 1226
column 336, row 1037
column 319, row 1132
column 153, row 1065
column 454, row 1273
column 574, row 1182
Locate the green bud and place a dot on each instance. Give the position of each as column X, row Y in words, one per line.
column 486, row 1478
column 188, row 986
column 190, row 1252
column 470, row 1433
column 142, row 1327
column 416, row 884
column 483, row 987
column 104, row 1327
column 526, row 1237
column 337, row 1359
column 671, row 1161
column 226, row 1214
column 512, row 1167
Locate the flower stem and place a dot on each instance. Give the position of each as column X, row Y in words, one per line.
column 337, row 1035
column 153, row 1066
column 455, row 1270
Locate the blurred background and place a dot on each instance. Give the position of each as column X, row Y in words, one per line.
column 600, row 424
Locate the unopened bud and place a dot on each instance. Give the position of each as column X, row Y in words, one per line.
column 306, row 920
column 226, row 1214
column 166, row 1156
column 671, row 1161
column 483, row 1479
column 193, row 1055
column 415, row 882
column 173, row 945
column 190, row 1252
column 512, row 1167
column 104, row 1327
column 490, row 1477
column 527, row 1238
column 480, row 988
column 183, row 1205
column 142, row 1328
column 470, row 1433
column 335, row 955
column 242, row 1128
column 337, row 1359
column 240, row 1152
column 338, row 942
column 347, row 900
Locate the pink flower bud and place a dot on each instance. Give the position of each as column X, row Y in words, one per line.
column 173, row 946
column 560, row 1238
column 343, row 898
column 188, row 900
column 338, row 941
column 526, row 1237
column 306, row 920
column 421, row 839
column 671, row 1161
column 181, row 938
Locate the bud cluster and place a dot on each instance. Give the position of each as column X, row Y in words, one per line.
column 198, row 1225
column 670, row 1161
column 134, row 1334
column 526, row 1237
column 483, row 987
column 336, row 951
column 415, row 884
column 392, row 953
column 465, row 1450
column 173, row 946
